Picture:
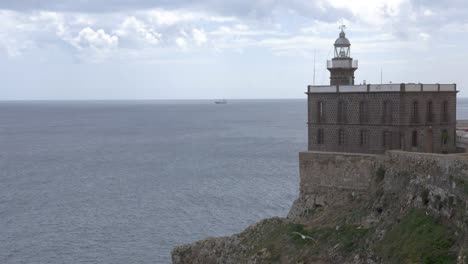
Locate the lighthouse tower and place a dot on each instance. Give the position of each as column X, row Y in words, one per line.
column 342, row 66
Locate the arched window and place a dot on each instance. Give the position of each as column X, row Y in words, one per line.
column 341, row 137
column 445, row 115
column 341, row 118
column 363, row 112
column 414, row 138
column 429, row 113
column 387, row 113
column 320, row 112
column 415, row 113
column 445, row 137
column 320, row 139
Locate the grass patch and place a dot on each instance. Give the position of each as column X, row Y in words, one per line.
column 349, row 237
column 418, row 238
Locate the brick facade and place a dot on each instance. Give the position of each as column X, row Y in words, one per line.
column 376, row 121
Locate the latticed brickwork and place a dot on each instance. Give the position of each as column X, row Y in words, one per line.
column 373, row 122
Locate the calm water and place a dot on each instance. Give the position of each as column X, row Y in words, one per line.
column 124, row 182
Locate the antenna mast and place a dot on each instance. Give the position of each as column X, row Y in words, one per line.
column 314, row 66
column 381, row 76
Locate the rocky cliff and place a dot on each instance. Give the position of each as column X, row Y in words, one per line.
column 395, row 208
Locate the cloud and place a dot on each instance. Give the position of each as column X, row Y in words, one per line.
column 163, row 17
column 238, row 8
column 134, row 30
column 95, row 39
column 428, row 12
column 152, row 27
column 199, row 36
column 181, row 42
column 424, row 36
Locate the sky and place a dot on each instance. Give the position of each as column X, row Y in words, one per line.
column 205, row 49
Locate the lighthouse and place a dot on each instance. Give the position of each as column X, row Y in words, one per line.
column 342, row 66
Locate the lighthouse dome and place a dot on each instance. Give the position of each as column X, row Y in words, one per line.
column 342, row 40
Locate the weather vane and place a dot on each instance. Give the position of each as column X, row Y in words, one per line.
column 342, row 27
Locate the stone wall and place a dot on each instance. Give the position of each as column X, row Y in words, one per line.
column 347, row 171
column 329, row 178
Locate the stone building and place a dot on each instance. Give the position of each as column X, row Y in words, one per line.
column 343, row 117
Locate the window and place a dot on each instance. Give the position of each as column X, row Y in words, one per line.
column 445, row 137
column 445, row 117
column 454, row 141
column 414, row 138
column 341, row 118
column 363, row 112
column 320, row 112
column 320, row 137
column 364, row 138
column 429, row 113
column 387, row 139
column 401, row 140
column 341, row 137
column 415, row 113
column 387, row 113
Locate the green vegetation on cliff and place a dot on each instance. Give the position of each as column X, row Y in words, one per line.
column 345, row 238
column 418, row 238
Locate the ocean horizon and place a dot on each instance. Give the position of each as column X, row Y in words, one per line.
column 126, row 181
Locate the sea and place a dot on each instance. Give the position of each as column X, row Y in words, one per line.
column 123, row 182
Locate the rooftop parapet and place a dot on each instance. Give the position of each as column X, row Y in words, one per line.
column 372, row 88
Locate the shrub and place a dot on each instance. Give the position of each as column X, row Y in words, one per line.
column 418, row 238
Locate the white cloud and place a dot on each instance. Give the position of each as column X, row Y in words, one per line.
column 49, row 21
column 373, row 12
column 322, row 27
column 428, row 12
column 168, row 18
column 181, row 42
column 148, row 31
column 424, row 36
column 199, row 36
column 95, row 39
column 243, row 30
column 134, row 28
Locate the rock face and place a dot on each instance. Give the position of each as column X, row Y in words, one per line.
column 395, row 208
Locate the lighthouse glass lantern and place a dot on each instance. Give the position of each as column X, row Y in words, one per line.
column 342, row 52
column 342, row 46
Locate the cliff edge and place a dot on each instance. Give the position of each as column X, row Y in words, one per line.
column 395, row 208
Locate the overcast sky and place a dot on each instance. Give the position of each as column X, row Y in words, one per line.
column 193, row 49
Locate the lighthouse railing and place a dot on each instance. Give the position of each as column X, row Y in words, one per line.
column 347, row 64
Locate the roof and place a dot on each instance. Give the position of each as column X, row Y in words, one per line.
column 375, row 88
column 342, row 40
